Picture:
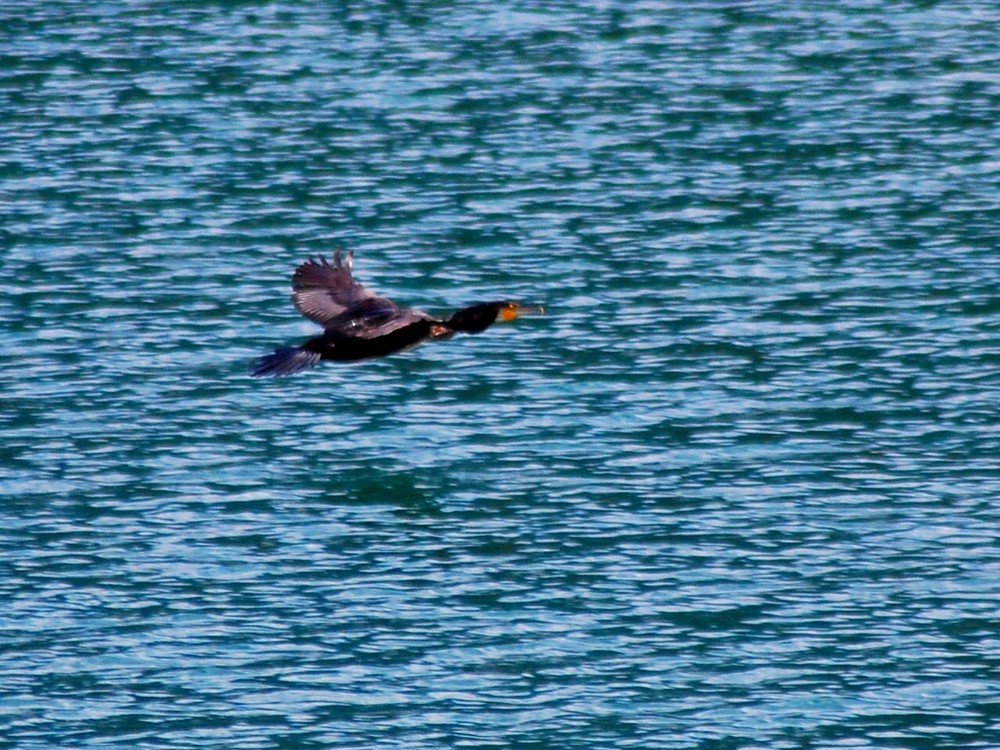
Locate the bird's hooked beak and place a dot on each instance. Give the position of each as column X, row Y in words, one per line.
column 512, row 310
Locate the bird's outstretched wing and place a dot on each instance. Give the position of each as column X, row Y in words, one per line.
column 327, row 294
column 375, row 317
column 323, row 291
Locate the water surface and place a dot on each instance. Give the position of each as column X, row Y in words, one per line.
column 737, row 489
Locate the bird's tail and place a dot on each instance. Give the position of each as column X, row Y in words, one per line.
column 284, row 362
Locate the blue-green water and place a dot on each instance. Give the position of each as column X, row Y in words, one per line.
column 739, row 488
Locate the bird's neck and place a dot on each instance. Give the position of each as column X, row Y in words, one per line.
column 473, row 319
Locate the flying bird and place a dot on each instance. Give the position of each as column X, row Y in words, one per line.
column 358, row 324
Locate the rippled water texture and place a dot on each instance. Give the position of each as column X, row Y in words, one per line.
column 737, row 489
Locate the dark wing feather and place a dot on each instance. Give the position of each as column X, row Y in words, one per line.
column 323, row 291
column 375, row 317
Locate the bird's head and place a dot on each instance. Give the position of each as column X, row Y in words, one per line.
column 481, row 316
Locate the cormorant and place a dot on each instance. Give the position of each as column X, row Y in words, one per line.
column 359, row 324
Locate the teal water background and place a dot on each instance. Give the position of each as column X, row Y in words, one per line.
column 738, row 489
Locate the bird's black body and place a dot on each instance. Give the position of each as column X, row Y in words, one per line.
column 333, row 344
column 359, row 325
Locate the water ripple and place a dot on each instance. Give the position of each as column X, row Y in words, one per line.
column 735, row 489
